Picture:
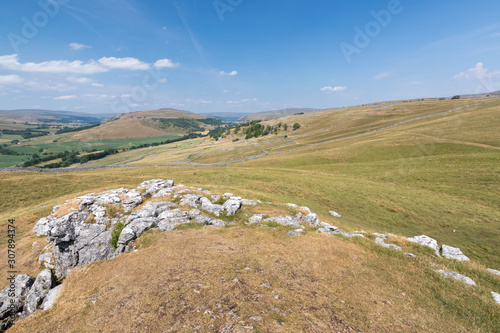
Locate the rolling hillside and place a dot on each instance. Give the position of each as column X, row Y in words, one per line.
column 275, row 114
column 152, row 123
column 401, row 168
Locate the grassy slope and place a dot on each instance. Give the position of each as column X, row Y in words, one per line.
column 430, row 176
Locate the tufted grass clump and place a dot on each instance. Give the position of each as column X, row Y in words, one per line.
column 115, row 234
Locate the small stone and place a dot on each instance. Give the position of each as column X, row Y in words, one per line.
column 296, row 232
column 334, row 214
column 496, row 297
column 411, row 255
column 493, row 271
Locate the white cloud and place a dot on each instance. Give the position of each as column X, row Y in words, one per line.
column 329, row 89
column 79, row 79
column 8, row 80
column 97, row 84
column 477, row 73
column 165, row 63
column 37, row 85
column 382, row 76
column 123, row 63
column 105, row 64
column 79, row 107
column 65, row 97
column 242, row 101
column 11, row 62
column 76, row 46
column 233, row 73
column 225, row 91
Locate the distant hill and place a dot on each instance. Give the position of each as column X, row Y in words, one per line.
column 150, row 123
column 48, row 116
column 275, row 114
column 229, row 116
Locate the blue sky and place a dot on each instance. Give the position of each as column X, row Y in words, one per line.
column 113, row 56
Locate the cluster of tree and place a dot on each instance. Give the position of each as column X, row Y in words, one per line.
column 68, row 158
column 7, row 151
column 252, row 129
column 189, row 125
column 75, row 129
column 212, row 121
column 26, row 133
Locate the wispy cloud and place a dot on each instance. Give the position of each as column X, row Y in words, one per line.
column 124, row 63
column 79, row 79
column 65, row 97
column 11, row 62
column 77, row 46
column 8, row 80
column 382, row 76
column 329, row 89
column 232, row 73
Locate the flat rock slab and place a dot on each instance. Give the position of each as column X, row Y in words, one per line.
column 426, row 241
column 381, row 242
column 296, row 232
column 493, row 271
column 456, row 276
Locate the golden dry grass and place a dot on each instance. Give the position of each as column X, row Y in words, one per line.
column 254, row 279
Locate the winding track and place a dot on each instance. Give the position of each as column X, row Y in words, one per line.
column 189, row 163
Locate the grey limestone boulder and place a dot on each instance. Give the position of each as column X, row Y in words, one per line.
column 493, row 271
column 41, row 287
column 284, row 221
column 453, row 253
column 311, row 219
column 426, row 241
column 257, row 218
column 296, row 232
column 51, row 297
column 456, row 276
column 381, row 242
column 248, row 202
column 47, row 260
column 20, row 286
column 232, row 206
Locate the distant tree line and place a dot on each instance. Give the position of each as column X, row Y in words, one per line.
column 75, row 129
column 69, row 158
column 26, row 133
